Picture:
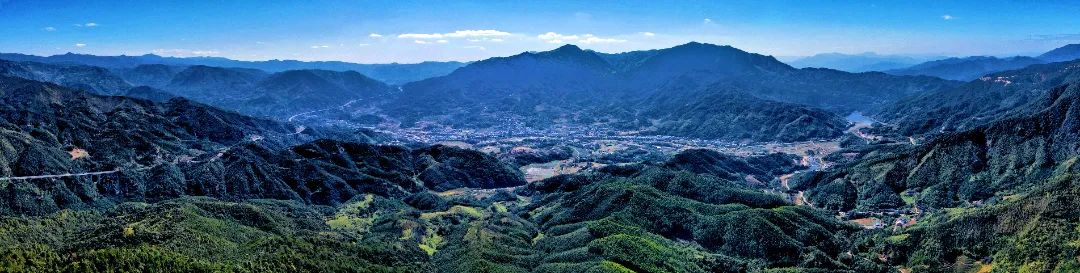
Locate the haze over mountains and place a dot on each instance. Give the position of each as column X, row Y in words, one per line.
column 694, row 158
column 393, row 73
column 952, row 68
column 863, row 62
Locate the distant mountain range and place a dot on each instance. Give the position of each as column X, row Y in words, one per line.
column 970, row 68
column 954, row 68
column 393, row 73
column 654, row 92
column 251, row 91
column 859, row 62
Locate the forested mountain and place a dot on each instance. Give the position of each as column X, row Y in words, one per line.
column 393, row 73
column 640, row 218
column 95, row 79
column 642, row 89
column 970, row 68
column 153, row 75
column 978, row 102
column 997, row 194
column 656, row 92
column 1062, row 54
column 1035, row 231
column 980, row 164
column 251, row 91
column 732, row 116
column 965, row 69
column 144, row 151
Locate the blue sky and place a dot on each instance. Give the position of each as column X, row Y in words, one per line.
column 413, row 31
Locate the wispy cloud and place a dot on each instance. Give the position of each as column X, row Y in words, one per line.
column 946, row 17
column 363, row 44
column 422, row 42
column 590, row 39
column 375, row 35
column 50, row 29
column 90, row 24
column 556, row 38
column 647, row 34
column 1056, row 37
column 184, row 52
column 707, row 21
column 80, row 45
column 319, row 46
column 456, row 34
column 442, row 41
column 475, row 47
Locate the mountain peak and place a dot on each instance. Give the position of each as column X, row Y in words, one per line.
column 1065, row 53
column 567, row 51
column 568, row 48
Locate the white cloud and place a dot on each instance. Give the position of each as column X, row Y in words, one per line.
column 556, row 38
column 455, row 34
column 375, row 35
column 474, row 40
column 420, row 36
column 184, row 52
column 497, row 40
column 647, row 34
column 422, row 42
column 363, row 44
column 590, row 39
column 442, row 41
column 50, row 29
column 320, row 46
column 475, row 47
column 707, row 21
column 477, row 33
column 80, row 45
column 946, row 17
column 91, row 24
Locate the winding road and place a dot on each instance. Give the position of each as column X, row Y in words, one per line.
column 56, row 175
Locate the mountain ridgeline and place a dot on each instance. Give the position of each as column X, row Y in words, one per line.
column 1001, row 180
column 658, row 92
column 393, row 73
column 968, row 68
column 974, row 67
column 149, row 151
column 654, row 91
